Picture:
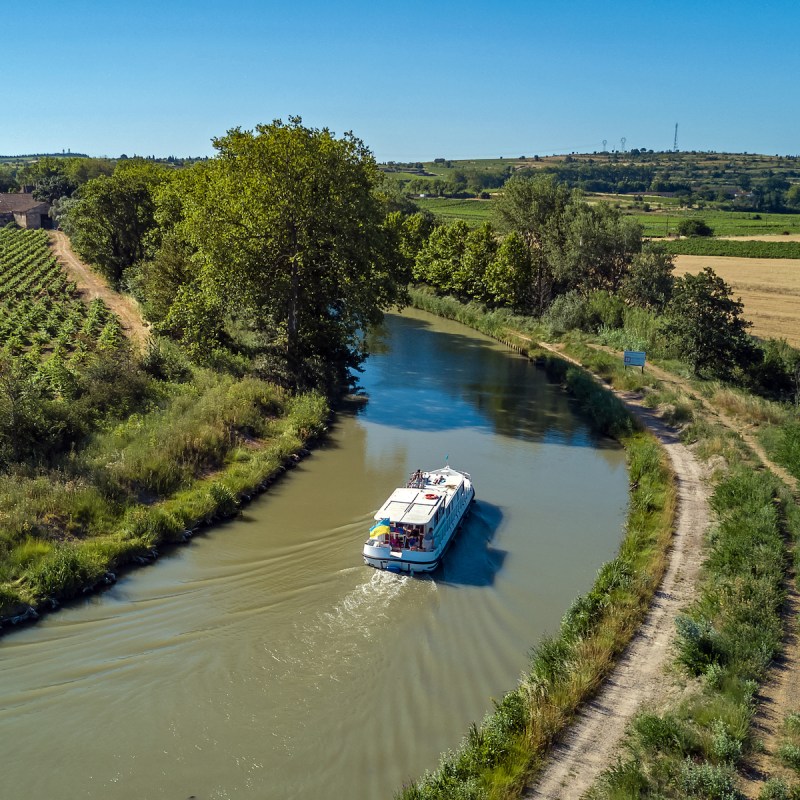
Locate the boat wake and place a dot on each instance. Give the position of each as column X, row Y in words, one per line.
column 369, row 602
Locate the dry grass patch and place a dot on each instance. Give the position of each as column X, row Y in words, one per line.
column 747, row 408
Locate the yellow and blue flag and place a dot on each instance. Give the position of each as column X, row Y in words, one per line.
column 380, row 528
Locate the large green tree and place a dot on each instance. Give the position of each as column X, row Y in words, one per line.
column 597, row 250
column 705, row 324
column 650, row 279
column 109, row 224
column 288, row 230
column 535, row 208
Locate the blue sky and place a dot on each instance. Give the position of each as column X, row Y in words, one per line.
column 414, row 80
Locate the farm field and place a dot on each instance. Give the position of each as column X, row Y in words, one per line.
column 473, row 212
column 725, row 224
column 42, row 318
column 768, row 287
column 774, row 247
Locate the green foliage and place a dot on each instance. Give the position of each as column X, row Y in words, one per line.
column 664, row 734
column 65, row 570
column 605, row 309
column 705, row 323
column 698, row 644
column 708, row 782
column 194, row 432
column 149, row 526
column 694, row 227
column 285, row 227
column 649, row 281
column 789, row 754
column 788, row 449
column 109, row 223
column 536, row 209
column 776, row 789
column 604, row 410
column 439, row 260
column 566, row 313
column 598, row 248
column 508, row 274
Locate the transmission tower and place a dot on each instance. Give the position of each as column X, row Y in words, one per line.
column 622, row 143
column 675, row 142
column 605, row 142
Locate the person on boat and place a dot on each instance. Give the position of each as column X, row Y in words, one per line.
column 413, row 541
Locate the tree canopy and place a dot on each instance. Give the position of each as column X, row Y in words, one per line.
column 705, row 323
column 287, row 230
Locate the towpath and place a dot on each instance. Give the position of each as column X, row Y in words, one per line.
column 592, row 742
column 91, row 285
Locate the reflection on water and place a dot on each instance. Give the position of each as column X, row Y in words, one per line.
column 265, row 661
column 476, row 390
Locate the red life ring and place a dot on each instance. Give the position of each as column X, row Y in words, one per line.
column 431, row 496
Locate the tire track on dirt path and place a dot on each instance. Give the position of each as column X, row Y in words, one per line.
column 584, row 752
column 91, row 285
column 591, row 743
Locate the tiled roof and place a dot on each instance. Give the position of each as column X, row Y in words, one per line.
column 19, row 203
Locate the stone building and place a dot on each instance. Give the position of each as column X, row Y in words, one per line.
column 25, row 210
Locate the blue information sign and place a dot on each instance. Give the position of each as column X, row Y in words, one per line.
column 635, row 358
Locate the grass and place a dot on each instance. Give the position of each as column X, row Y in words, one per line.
column 691, row 746
column 473, row 212
column 725, row 642
column 144, row 482
column 660, row 224
column 723, row 223
column 782, row 444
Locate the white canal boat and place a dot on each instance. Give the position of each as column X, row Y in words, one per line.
column 416, row 524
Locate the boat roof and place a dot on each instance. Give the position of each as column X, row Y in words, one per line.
column 411, row 506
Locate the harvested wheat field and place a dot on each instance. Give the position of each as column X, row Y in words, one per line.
column 768, row 287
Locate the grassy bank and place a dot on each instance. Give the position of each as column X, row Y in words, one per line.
column 144, row 482
column 691, row 747
column 499, row 756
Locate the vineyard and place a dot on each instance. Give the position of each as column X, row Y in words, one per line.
column 732, row 248
column 44, row 326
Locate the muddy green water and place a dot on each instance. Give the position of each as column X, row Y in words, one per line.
column 265, row 661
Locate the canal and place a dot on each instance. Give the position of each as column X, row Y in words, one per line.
column 264, row 660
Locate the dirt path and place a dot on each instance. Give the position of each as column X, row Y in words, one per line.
column 592, row 742
column 91, row 285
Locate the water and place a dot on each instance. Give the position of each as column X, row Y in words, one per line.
column 265, row 661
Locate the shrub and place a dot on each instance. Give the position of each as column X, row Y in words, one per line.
column 604, row 309
column 664, row 734
column 708, row 781
column 698, row 644
column 223, row 498
column 64, row 571
column 789, row 754
column 150, row 526
column 568, row 312
column 776, row 789
column 725, row 746
column 694, row 227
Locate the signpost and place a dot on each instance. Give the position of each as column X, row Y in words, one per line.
column 635, row 358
